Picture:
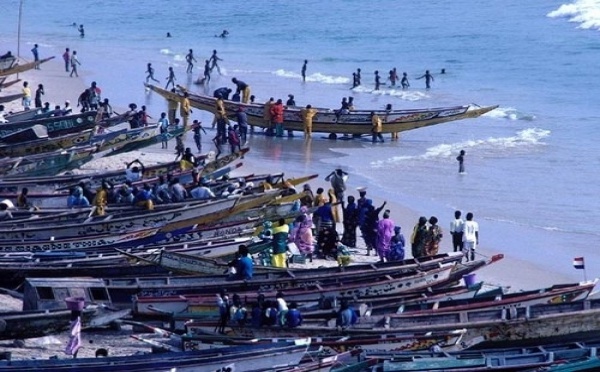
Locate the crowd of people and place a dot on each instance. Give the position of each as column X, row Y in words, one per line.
column 392, row 78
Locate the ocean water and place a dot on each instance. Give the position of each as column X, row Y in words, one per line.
column 532, row 165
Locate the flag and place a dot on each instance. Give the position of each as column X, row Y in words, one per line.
column 578, row 263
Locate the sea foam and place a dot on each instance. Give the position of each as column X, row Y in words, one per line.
column 584, row 12
column 509, row 113
column 524, row 138
column 316, row 77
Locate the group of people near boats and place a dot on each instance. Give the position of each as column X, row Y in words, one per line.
column 392, row 79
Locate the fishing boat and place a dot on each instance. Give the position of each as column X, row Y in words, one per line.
column 136, row 139
column 45, row 145
column 356, row 122
column 30, row 324
column 7, row 62
column 47, row 164
column 246, row 358
column 17, row 69
column 55, row 125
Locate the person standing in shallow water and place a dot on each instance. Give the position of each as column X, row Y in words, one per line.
column 304, row 70
column 171, row 78
column 428, row 79
column 461, row 161
column 190, row 61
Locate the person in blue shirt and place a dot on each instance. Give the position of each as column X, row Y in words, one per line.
column 77, row 199
column 244, row 264
column 293, row 316
column 346, row 316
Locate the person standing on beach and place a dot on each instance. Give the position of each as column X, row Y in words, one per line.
column 67, row 58
column 74, row 63
column 385, row 232
column 26, row 96
column 277, row 117
column 377, row 127
column 404, row 82
column 171, row 78
column 189, row 58
column 337, row 178
column 214, row 62
column 36, row 56
column 163, row 123
column 304, row 70
column 150, row 73
column 470, row 237
column 461, row 161
column 39, row 92
column 417, row 239
column 308, row 115
column 456, row 230
column 428, row 79
column 185, row 109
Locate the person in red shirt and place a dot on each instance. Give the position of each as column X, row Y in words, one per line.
column 277, row 117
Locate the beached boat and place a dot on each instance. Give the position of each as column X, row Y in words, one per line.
column 136, row 139
column 47, row 164
column 7, row 62
column 330, row 121
column 33, row 113
column 30, row 324
column 55, row 125
column 260, row 357
column 6, row 84
column 45, row 145
column 325, row 281
column 17, row 69
column 11, row 97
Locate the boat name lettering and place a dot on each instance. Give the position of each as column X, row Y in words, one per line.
column 60, row 125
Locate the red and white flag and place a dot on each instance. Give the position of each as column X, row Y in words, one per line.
column 578, row 263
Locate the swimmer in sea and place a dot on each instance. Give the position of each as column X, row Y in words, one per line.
column 404, row 81
column 81, row 31
column 428, row 79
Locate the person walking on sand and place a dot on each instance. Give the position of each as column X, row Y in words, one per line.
column 74, row 63
column 461, row 161
column 214, row 62
column 456, row 230
column 417, row 238
column 163, row 122
column 171, row 78
column 67, row 58
column 428, row 79
column 36, row 56
column 304, row 70
column 470, row 237
column 189, row 58
column 150, row 73
column 404, row 82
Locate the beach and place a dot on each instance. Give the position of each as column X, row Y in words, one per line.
column 530, row 165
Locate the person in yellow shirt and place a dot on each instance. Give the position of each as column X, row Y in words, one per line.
column 185, row 109
column 377, row 127
column 26, row 96
column 172, row 106
column 308, row 114
column 101, row 199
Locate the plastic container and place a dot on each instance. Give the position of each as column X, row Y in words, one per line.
column 470, row 279
column 75, row 303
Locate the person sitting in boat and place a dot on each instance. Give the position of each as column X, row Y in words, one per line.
column 22, row 201
column 270, row 314
column 68, row 109
column 202, row 191
column 346, row 316
column 125, row 194
column 5, row 213
column 178, row 192
column 282, row 309
column 188, row 160
column 77, row 199
column 134, row 173
column 245, row 265
column 143, row 198
column 222, row 92
column 237, row 311
column 293, row 316
column 161, row 191
column 101, row 198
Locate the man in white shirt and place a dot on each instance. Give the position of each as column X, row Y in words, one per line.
column 202, row 192
column 456, row 230
column 470, row 237
column 134, row 173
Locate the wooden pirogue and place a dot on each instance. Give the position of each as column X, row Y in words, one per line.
column 356, row 122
